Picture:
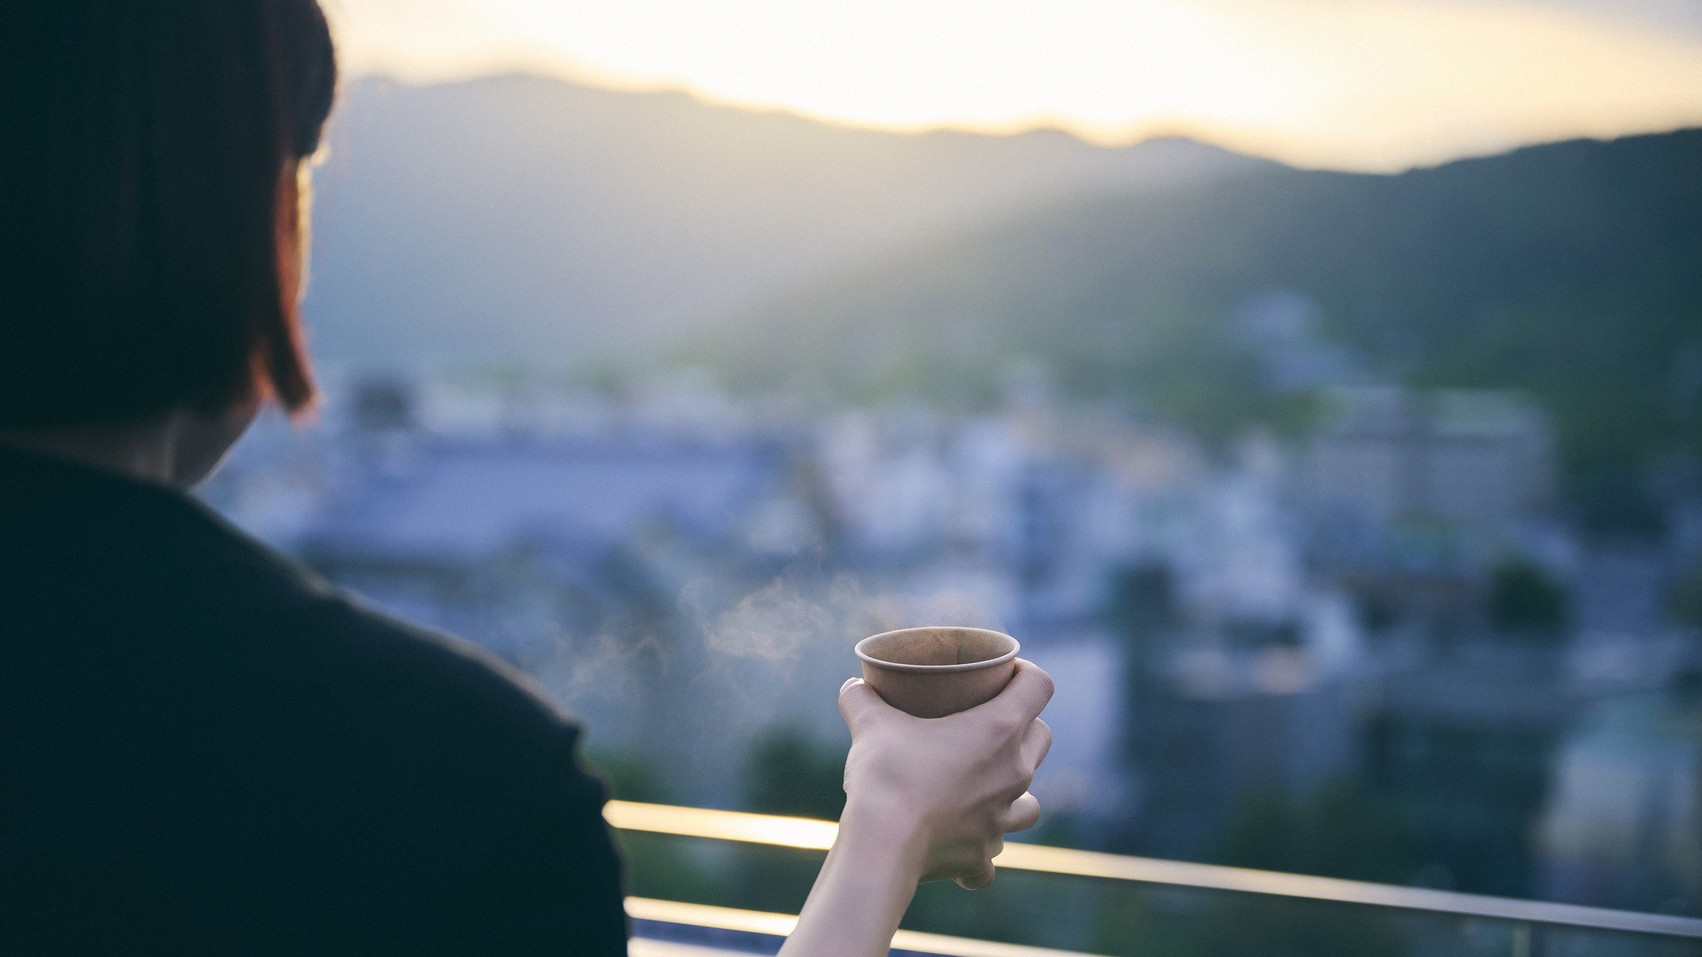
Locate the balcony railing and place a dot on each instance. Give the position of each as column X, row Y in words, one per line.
column 1052, row 901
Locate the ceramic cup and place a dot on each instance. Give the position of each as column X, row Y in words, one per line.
column 935, row 671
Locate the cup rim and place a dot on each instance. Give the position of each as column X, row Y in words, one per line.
column 1016, row 647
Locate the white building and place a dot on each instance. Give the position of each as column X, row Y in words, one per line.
column 1479, row 459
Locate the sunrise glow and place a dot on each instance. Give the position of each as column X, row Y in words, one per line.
column 1373, row 85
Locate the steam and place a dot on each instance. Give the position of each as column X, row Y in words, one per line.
column 782, row 621
column 774, row 624
column 600, row 666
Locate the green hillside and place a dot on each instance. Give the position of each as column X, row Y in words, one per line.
column 1571, row 270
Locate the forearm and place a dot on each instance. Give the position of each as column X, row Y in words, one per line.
column 863, row 889
column 924, row 798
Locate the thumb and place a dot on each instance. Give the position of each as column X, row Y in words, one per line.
column 859, row 705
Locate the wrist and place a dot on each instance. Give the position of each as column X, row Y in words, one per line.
column 885, row 835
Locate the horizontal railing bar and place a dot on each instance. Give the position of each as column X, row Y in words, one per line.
column 650, row 947
column 780, row 925
column 807, row 834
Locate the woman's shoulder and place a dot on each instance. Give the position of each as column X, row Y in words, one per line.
column 409, row 667
column 110, row 577
column 384, row 678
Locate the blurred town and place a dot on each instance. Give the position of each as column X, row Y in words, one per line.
column 1380, row 647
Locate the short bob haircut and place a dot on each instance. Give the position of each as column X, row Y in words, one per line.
column 146, row 242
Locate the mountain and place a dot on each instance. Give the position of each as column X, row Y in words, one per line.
column 531, row 221
column 1572, row 270
column 520, row 216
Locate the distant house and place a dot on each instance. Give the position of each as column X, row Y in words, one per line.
column 1476, row 459
column 1623, row 827
column 1244, row 677
column 1413, row 496
column 451, row 530
column 1223, row 727
column 1462, row 747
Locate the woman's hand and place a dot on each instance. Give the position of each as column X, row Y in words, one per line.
column 946, row 790
column 925, row 799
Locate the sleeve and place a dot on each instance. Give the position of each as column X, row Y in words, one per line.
column 497, row 843
column 555, row 878
column 519, row 864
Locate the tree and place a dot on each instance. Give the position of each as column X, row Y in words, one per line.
column 790, row 773
column 1685, row 601
column 1339, row 831
column 1526, row 602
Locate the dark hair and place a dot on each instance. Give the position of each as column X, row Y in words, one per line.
column 144, row 236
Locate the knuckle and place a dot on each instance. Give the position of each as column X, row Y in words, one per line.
column 1008, row 724
column 1047, row 685
column 1042, row 732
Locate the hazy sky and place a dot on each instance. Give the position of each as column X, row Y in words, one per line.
column 1374, row 84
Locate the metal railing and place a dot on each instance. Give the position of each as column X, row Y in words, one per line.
column 813, row 835
column 645, row 910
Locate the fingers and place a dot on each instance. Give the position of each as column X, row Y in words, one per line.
column 1036, row 741
column 1023, row 814
column 976, row 881
column 1028, row 691
column 858, row 704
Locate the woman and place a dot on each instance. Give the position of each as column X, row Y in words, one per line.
column 206, row 749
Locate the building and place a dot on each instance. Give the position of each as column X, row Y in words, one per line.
column 1623, row 827
column 1475, row 459
column 1462, row 746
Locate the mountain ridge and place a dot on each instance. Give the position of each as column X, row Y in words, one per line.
column 1578, row 255
column 525, row 215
